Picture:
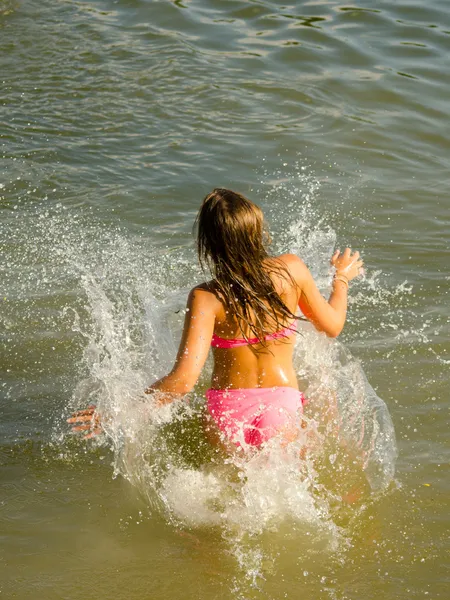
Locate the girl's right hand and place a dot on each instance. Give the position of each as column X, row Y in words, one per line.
column 347, row 264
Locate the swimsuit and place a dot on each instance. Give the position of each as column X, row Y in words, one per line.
column 252, row 416
column 220, row 342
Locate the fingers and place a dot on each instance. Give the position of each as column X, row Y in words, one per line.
column 92, row 427
column 346, row 255
column 93, row 430
column 348, row 263
column 355, row 263
column 80, row 418
column 81, row 428
column 350, row 255
column 360, row 267
column 86, row 420
column 335, row 256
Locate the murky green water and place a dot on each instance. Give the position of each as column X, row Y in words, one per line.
column 116, row 118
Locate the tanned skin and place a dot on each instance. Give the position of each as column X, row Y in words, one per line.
column 248, row 366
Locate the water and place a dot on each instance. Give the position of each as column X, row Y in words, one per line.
column 117, row 117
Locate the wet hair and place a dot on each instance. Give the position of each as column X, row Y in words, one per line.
column 232, row 241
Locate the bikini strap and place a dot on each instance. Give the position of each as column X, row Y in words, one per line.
column 220, row 342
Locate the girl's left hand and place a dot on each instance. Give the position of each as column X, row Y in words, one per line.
column 90, row 420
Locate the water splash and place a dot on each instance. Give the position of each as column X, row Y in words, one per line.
column 126, row 308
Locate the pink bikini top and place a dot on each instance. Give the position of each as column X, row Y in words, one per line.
column 220, row 342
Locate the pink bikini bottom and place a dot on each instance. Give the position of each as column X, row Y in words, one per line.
column 254, row 415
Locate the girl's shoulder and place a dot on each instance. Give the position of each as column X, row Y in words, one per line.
column 205, row 292
column 204, row 299
column 203, row 289
column 294, row 265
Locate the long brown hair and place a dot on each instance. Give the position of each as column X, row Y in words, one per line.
column 231, row 242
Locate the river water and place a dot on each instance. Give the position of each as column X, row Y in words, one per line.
column 117, row 117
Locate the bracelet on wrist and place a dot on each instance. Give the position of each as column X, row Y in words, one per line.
column 343, row 278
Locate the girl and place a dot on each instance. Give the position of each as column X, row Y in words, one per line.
column 248, row 314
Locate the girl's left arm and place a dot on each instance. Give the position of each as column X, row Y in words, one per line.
column 194, row 346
